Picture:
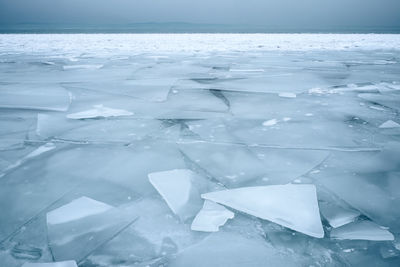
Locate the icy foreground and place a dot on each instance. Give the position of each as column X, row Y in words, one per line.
column 199, row 150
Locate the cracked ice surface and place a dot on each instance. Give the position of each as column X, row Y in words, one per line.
column 108, row 142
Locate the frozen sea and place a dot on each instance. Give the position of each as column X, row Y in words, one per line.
column 199, row 150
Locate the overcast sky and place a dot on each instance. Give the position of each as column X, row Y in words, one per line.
column 270, row 13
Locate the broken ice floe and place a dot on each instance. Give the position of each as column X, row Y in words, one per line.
column 362, row 230
column 76, row 229
column 389, row 124
column 181, row 189
column 99, row 111
column 336, row 215
column 293, row 206
column 211, row 217
column 51, row 264
column 36, row 96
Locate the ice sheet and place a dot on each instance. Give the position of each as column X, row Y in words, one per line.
column 99, row 111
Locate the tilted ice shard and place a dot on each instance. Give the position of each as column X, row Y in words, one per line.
column 362, row 230
column 336, row 215
column 389, row 124
column 99, row 111
column 211, row 217
column 178, row 188
column 77, row 209
column 293, row 206
column 52, row 264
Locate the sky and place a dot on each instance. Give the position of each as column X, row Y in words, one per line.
column 290, row 14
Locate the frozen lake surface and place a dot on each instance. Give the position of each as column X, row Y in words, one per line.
column 199, row 150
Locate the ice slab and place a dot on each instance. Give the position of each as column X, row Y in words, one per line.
column 293, row 206
column 229, row 164
column 178, row 188
column 151, row 89
column 353, row 176
column 389, row 124
column 153, row 239
column 76, row 229
column 362, row 230
column 35, row 96
column 77, row 209
column 99, row 111
column 211, row 217
column 336, row 215
column 51, row 264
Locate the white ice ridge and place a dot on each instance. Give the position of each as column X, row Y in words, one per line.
column 178, row 190
column 51, row 264
column 99, row 111
column 271, row 122
column 362, row 230
column 87, row 66
column 77, row 209
column 247, row 70
column 389, row 124
column 159, row 43
column 211, row 217
column 287, row 95
column 42, row 149
column 293, row 206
